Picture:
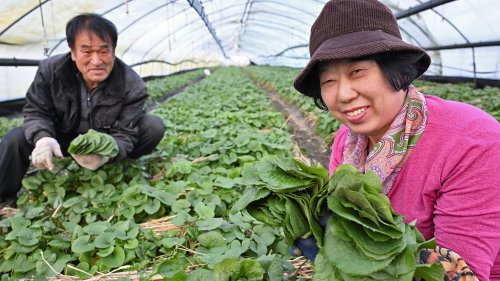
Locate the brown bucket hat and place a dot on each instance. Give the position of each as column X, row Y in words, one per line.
column 351, row 29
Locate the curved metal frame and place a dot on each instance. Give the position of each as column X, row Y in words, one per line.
column 23, row 16
column 196, row 4
column 430, row 5
column 245, row 18
column 106, row 12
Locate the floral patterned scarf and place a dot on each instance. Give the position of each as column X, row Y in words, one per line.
column 391, row 152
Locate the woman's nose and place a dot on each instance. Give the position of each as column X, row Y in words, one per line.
column 345, row 91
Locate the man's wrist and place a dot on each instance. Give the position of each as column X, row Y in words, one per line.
column 39, row 135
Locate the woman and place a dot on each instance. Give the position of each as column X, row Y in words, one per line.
column 438, row 160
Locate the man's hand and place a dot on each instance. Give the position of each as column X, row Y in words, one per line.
column 90, row 161
column 45, row 149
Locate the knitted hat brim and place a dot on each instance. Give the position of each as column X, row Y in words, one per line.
column 354, row 45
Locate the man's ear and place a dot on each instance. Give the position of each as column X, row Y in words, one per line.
column 73, row 57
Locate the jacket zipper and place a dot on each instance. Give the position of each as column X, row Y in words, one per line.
column 90, row 110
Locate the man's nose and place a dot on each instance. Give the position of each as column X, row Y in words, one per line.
column 95, row 59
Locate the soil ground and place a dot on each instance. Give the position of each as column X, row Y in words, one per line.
column 311, row 145
column 303, row 135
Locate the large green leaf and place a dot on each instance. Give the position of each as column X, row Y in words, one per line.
column 29, row 236
column 105, row 240
column 170, row 267
column 235, row 269
column 116, row 259
column 97, row 227
column 209, row 224
column 204, row 211
column 212, row 239
column 152, row 206
column 250, row 194
column 347, row 258
column 82, row 244
column 279, row 180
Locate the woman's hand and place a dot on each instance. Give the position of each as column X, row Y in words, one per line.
column 306, row 247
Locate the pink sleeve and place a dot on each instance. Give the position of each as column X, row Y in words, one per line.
column 467, row 209
column 337, row 155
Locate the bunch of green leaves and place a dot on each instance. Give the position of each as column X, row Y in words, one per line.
column 365, row 239
column 287, row 193
column 94, row 142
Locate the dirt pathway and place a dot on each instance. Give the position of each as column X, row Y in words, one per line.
column 312, row 146
column 303, row 135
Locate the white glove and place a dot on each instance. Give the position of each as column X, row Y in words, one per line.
column 45, row 149
column 90, row 161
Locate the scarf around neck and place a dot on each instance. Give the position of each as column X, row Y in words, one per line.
column 393, row 150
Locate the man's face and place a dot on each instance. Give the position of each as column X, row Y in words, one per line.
column 93, row 57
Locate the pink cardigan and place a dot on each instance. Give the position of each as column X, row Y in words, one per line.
column 451, row 183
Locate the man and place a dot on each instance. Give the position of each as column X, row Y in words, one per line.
column 71, row 93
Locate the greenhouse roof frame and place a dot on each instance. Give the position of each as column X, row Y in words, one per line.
column 186, row 34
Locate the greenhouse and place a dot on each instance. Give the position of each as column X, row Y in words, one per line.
column 281, row 158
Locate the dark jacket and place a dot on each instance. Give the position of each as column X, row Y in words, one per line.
column 53, row 103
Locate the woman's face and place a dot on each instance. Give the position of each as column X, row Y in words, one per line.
column 358, row 95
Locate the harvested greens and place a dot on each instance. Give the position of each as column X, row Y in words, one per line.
column 287, row 193
column 364, row 239
column 94, row 142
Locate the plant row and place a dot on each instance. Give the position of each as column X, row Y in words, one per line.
column 487, row 98
column 157, row 88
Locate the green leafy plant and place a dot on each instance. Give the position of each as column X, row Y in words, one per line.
column 94, row 142
column 285, row 192
column 365, row 238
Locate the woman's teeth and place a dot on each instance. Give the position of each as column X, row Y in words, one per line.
column 355, row 112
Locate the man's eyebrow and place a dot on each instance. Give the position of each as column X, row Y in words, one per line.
column 103, row 46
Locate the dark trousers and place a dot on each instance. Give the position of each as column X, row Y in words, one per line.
column 15, row 152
